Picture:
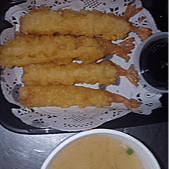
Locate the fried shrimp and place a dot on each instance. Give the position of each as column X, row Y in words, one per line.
column 29, row 49
column 45, row 21
column 50, row 41
column 104, row 72
column 66, row 96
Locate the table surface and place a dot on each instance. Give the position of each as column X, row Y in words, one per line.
column 20, row 151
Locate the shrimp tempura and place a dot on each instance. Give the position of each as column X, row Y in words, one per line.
column 45, row 21
column 66, row 96
column 105, row 72
column 29, row 49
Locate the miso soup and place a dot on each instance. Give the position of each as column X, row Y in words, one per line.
column 96, row 152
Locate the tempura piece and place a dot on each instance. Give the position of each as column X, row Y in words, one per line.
column 104, row 72
column 45, row 21
column 29, row 49
column 66, row 96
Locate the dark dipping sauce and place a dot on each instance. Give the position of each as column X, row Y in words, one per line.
column 154, row 63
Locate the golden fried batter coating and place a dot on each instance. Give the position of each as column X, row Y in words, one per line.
column 28, row 49
column 66, row 96
column 51, row 74
column 89, row 23
column 105, row 72
column 93, row 23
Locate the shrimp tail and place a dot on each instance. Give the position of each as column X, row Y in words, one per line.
column 130, row 74
column 143, row 33
column 121, row 49
column 128, row 103
column 130, row 11
column 125, row 48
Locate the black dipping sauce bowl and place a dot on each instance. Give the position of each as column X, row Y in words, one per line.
column 152, row 63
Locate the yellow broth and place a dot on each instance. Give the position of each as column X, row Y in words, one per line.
column 96, row 152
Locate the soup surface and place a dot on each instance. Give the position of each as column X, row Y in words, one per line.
column 96, row 152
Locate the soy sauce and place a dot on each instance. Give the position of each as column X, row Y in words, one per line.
column 154, row 63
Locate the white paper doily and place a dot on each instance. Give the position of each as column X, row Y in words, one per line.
column 74, row 118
